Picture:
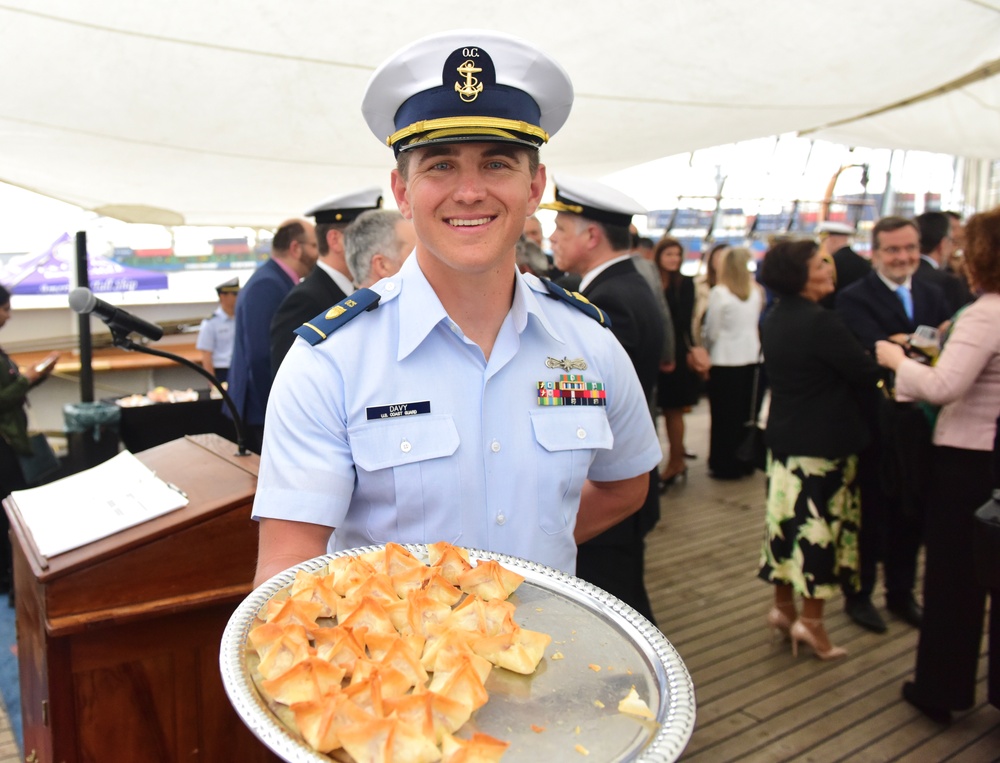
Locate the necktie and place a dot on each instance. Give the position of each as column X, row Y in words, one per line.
column 907, row 299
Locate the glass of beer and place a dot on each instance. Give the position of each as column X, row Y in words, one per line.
column 927, row 341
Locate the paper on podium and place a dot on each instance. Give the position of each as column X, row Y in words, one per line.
column 108, row 498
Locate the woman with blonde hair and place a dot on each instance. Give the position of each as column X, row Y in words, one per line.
column 703, row 282
column 732, row 340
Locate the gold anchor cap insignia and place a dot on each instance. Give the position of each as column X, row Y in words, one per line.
column 469, row 90
column 567, row 365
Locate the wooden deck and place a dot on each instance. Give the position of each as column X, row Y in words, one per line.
column 755, row 701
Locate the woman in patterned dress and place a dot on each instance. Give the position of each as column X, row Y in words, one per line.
column 819, row 376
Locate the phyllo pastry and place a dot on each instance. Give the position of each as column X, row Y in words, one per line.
column 368, row 614
column 306, row 681
column 489, row 580
column 382, row 658
column 280, row 647
column 388, row 740
column 452, row 561
column 294, row 612
column 319, row 720
column 315, row 588
column 519, row 651
column 339, row 645
column 435, row 714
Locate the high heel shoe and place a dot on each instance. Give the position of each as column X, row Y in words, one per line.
column 668, row 480
column 779, row 622
column 800, row 631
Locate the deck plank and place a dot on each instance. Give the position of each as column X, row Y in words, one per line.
column 756, row 702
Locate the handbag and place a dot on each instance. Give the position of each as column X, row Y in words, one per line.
column 986, row 542
column 752, row 451
column 41, row 464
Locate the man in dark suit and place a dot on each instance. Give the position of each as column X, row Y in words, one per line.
column 936, row 248
column 834, row 242
column 889, row 303
column 592, row 241
column 331, row 280
column 293, row 255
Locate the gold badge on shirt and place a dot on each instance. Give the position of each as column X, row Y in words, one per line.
column 567, row 365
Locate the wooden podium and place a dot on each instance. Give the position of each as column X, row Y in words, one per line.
column 118, row 641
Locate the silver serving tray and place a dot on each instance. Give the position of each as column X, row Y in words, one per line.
column 589, row 628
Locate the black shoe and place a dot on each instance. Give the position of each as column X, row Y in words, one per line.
column 726, row 476
column 863, row 612
column 936, row 714
column 906, row 609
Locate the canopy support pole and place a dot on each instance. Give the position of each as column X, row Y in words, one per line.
column 83, row 321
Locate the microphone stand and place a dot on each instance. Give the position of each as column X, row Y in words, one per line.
column 120, row 338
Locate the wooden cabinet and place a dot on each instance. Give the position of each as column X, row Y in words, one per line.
column 118, row 641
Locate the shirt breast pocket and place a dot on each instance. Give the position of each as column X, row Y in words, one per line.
column 566, row 439
column 404, row 467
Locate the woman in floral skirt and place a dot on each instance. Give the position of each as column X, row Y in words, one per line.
column 819, row 377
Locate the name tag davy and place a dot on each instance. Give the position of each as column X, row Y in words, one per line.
column 398, row 409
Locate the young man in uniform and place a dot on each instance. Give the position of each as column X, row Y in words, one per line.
column 458, row 400
column 217, row 333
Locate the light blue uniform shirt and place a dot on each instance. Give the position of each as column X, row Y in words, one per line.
column 216, row 335
column 480, row 463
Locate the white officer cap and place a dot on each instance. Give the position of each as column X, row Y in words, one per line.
column 593, row 200
column 467, row 85
column 838, row 229
column 232, row 286
column 343, row 208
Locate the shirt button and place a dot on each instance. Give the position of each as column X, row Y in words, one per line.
column 581, row 433
column 501, row 518
column 495, row 446
column 390, row 286
column 405, row 446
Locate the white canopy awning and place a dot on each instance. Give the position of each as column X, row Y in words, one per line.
column 245, row 112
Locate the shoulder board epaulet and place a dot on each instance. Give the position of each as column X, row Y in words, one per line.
column 324, row 324
column 578, row 301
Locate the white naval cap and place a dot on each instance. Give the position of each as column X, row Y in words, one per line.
column 593, row 200
column 835, row 228
column 232, row 286
column 467, row 85
column 345, row 207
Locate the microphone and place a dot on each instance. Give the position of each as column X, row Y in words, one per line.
column 83, row 301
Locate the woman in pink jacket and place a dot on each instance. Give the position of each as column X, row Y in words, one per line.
column 965, row 382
